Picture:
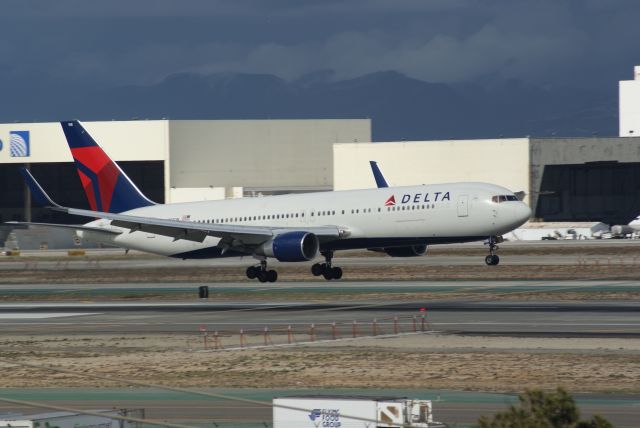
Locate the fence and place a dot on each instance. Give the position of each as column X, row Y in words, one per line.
column 291, row 334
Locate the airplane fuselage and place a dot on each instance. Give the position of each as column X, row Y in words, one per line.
column 386, row 217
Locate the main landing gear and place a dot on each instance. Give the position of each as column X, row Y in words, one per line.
column 325, row 269
column 492, row 259
column 262, row 273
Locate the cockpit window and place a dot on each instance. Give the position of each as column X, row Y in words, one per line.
column 503, row 198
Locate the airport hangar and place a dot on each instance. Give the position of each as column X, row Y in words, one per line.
column 177, row 160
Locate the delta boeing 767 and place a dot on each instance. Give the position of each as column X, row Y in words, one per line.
column 399, row 221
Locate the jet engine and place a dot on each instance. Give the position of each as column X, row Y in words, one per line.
column 291, row 247
column 408, row 251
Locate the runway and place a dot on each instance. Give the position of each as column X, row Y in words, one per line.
column 466, row 315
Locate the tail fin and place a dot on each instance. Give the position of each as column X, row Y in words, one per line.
column 377, row 174
column 107, row 187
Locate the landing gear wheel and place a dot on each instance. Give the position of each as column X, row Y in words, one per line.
column 325, row 269
column 262, row 276
column 252, row 272
column 336, row 272
column 316, row 269
column 261, row 273
column 492, row 259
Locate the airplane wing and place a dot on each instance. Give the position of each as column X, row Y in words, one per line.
column 232, row 235
column 194, row 231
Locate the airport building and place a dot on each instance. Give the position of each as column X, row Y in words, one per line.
column 178, row 160
column 629, row 105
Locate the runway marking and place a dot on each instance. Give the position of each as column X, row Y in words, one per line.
column 45, row 315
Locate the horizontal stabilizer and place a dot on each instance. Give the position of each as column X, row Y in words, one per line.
column 65, row 226
column 40, row 197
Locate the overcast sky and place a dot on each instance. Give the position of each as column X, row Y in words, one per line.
column 114, row 42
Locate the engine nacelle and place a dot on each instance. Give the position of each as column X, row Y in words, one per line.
column 291, row 247
column 409, row 251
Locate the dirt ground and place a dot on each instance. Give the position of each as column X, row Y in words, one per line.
column 411, row 361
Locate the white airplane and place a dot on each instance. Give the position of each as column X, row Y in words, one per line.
column 401, row 221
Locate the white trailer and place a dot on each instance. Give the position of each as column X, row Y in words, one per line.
column 352, row 412
column 65, row 420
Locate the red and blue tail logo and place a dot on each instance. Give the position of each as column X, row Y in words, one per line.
column 107, row 187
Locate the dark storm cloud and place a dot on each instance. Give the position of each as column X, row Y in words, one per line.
column 140, row 42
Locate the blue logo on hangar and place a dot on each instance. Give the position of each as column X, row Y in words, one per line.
column 19, row 144
column 0, row 145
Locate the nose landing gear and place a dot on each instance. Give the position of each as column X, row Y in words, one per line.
column 262, row 273
column 325, row 269
column 493, row 259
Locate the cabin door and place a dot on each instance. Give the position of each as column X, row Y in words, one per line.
column 463, row 206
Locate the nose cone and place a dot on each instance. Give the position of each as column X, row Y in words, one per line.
column 521, row 214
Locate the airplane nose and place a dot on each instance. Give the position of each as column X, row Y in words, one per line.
column 522, row 213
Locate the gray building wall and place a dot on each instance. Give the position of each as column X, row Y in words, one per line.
column 563, row 151
column 259, row 154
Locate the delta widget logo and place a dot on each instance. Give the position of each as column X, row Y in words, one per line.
column 19, row 146
column 419, row 198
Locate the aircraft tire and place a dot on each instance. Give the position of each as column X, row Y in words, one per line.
column 495, row 259
column 328, row 275
column 262, row 276
column 316, row 269
column 489, row 260
column 251, row 272
column 272, row 276
column 336, row 272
